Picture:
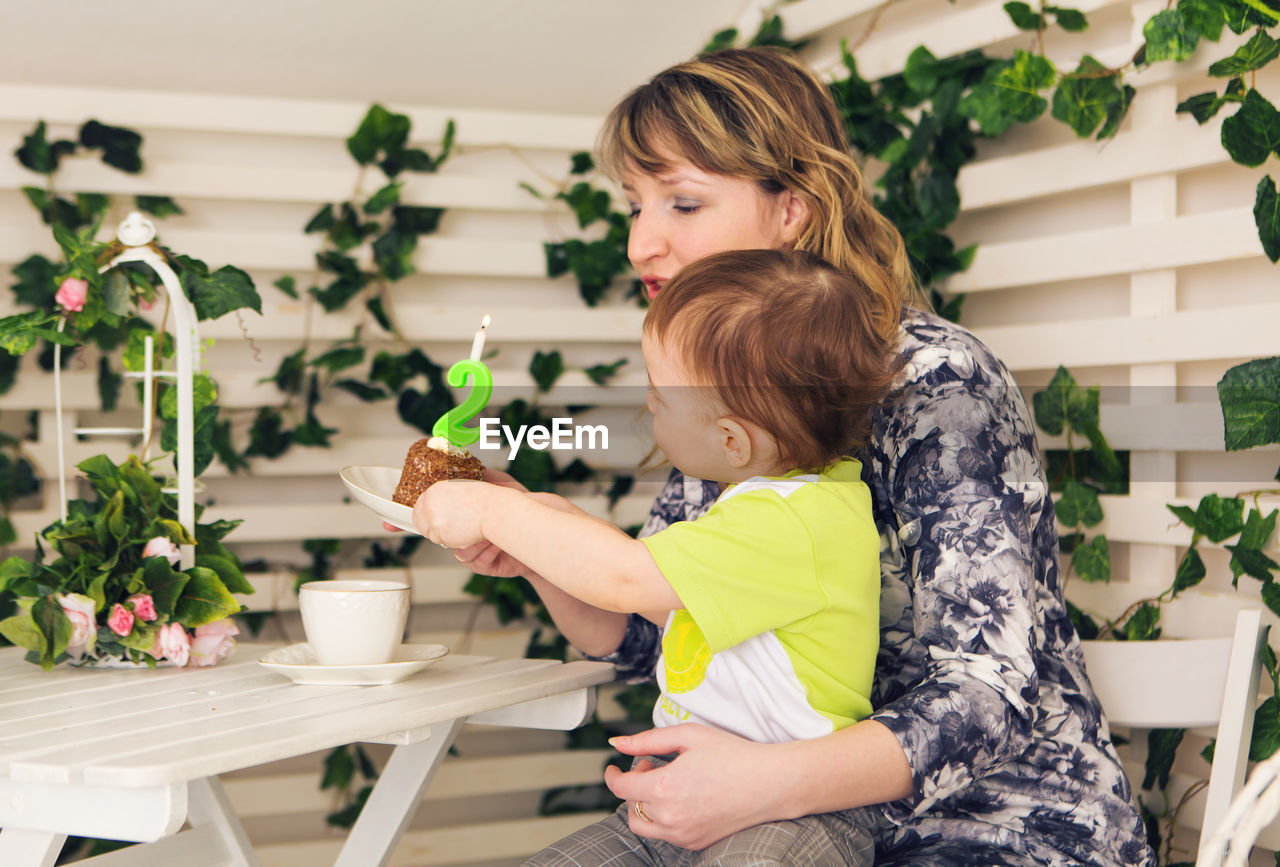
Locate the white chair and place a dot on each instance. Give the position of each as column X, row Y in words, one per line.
column 1254, row 808
column 1188, row 684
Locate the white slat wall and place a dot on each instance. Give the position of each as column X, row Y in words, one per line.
column 1134, row 263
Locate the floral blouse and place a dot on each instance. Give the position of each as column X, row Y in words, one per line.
column 980, row 673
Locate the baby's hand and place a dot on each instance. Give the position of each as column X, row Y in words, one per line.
column 449, row 513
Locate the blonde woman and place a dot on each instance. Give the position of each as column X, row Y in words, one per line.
column 987, row 744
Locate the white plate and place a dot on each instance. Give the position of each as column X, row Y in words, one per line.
column 298, row 663
column 373, row 488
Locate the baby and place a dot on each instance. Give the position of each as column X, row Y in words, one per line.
column 763, row 369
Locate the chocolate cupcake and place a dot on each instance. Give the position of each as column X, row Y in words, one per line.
column 430, row 461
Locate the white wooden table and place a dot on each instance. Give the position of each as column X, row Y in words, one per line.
column 133, row 755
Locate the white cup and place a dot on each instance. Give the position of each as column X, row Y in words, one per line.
column 353, row 622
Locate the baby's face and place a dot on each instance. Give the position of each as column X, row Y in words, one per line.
column 684, row 416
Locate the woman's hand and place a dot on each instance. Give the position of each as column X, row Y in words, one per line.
column 717, row 785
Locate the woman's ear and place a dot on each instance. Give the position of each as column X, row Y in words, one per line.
column 795, row 216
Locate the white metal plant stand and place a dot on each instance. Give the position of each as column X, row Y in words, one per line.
column 137, row 233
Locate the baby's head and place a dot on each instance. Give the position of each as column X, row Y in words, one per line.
column 778, row 339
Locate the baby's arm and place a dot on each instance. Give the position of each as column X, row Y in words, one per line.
column 585, row 557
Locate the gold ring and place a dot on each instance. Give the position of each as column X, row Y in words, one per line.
column 638, row 806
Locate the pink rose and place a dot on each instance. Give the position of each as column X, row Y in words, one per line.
column 143, row 606
column 121, row 620
column 213, row 642
column 174, row 644
column 72, row 294
column 80, row 611
column 160, row 546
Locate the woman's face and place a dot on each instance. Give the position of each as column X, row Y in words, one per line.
column 684, row 214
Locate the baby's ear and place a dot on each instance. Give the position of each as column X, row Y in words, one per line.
column 735, row 441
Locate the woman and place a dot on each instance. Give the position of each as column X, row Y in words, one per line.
column 987, row 745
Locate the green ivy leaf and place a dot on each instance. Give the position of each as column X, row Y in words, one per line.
column 267, row 436
column 1202, row 106
column 339, row 769
column 287, row 285
column 415, row 219
column 39, row 154
column 1190, row 572
column 1009, row 93
column 546, row 368
column 576, row 472
column 204, row 599
column 1079, row 505
column 393, row 253
column 1162, row 747
column 1271, row 596
column 379, row 131
column 37, row 281
column 921, row 72
column 1092, row 560
column 588, row 203
column 1252, row 133
column 21, row 631
column 1266, row 216
column 340, row 358
column 347, row 232
column 1116, row 112
column 1205, row 17
column 600, row 374
column 1219, row 518
column 422, row 410
column 362, row 390
column 1085, row 100
column 1251, row 561
column 1169, row 37
column 557, row 259
column 379, row 312
column 1022, row 16
column 1250, row 397
column 221, row 292
column 581, row 162
column 534, row 469
column 109, row 383
column 1260, row 50
column 161, row 206
column 321, row 221
column 1266, row 730
column 227, row 570
column 1070, row 20
column 120, row 147
column 1063, row 402
column 383, row 199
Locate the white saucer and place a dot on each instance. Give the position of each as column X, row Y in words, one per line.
column 373, row 488
column 298, row 663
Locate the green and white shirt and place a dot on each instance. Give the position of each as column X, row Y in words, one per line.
column 780, row 580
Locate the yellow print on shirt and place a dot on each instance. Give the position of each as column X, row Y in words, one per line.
column 685, row 653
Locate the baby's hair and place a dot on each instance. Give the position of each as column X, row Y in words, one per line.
column 782, row 339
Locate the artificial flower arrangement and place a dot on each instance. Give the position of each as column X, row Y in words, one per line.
column 108, row 590
column 111, row 592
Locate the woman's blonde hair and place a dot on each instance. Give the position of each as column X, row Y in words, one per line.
column 761, row 115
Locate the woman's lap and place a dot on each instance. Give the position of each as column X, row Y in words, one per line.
column 845, row 838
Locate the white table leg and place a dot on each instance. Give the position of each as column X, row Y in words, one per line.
column 395, row 797
column 19, row 848
column 207, row 804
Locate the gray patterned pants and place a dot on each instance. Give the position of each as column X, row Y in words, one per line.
column 826, row 840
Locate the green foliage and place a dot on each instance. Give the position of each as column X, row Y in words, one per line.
column 97, row 553
column 1249, row 394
